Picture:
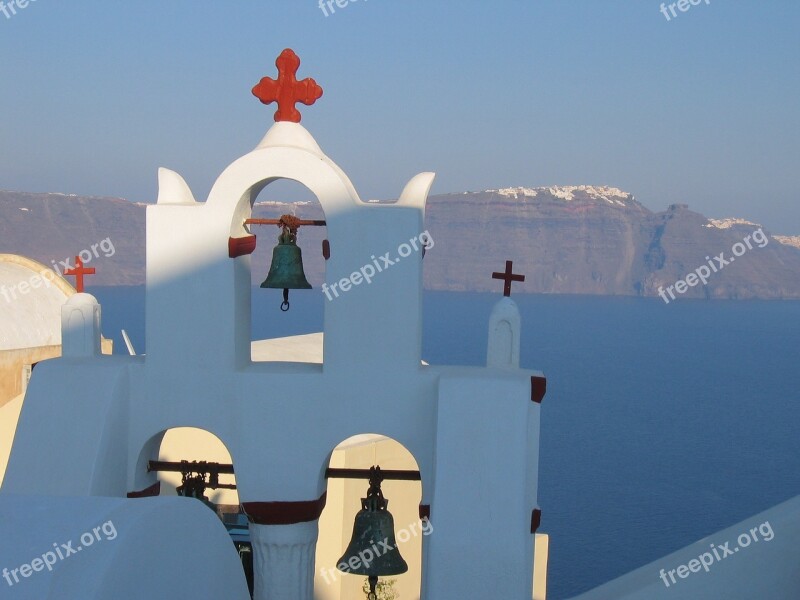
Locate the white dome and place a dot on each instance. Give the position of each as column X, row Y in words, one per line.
column 31, row 297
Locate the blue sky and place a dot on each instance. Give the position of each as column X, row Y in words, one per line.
column 701, row 109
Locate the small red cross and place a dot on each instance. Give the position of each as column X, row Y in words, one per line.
column 79, row 271
column 508, row 277
column 286, row 90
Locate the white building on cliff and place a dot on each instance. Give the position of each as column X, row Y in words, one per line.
column 91, row 424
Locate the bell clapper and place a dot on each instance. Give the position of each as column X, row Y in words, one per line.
column 373, row 584
column 285, row 303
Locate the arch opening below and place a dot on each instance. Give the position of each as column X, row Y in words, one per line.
column 343, row 503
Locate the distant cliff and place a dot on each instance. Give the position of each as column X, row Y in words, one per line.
column 51, row 228
column 566, row 240
column 591, row 240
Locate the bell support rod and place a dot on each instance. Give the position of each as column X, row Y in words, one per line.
column 196, row 470
column 388, row 475
column 300, row 222
column 207, row 468
column 221, row 486
column 330, row 473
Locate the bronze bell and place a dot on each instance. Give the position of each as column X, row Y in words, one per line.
column 286, row 271
column 373, row 548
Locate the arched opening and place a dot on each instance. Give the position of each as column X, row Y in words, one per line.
column 197, row 445
column 344, row 496
column 195, row 463
column 304, row 320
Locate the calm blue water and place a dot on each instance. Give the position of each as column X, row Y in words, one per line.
column 662, row 423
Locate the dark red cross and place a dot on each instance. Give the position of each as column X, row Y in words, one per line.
column 286, row 90
column 79, row 271
column 508, row 277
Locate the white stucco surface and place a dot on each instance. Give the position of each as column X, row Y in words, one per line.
column 31, row 296
column 155, row 548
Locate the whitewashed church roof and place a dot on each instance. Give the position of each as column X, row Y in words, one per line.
column 31, row 296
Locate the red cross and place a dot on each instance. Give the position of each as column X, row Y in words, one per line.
column 286, row 90
column 79, row 271
column 508, row 277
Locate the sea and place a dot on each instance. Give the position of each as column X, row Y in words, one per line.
column 662, row 424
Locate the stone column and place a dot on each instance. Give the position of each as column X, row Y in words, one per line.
column 283, row 560
column 284, row 538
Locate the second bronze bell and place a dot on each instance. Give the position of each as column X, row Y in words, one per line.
column 373, row 537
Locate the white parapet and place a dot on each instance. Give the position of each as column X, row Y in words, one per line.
column 96, row 548
column 505, row 325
